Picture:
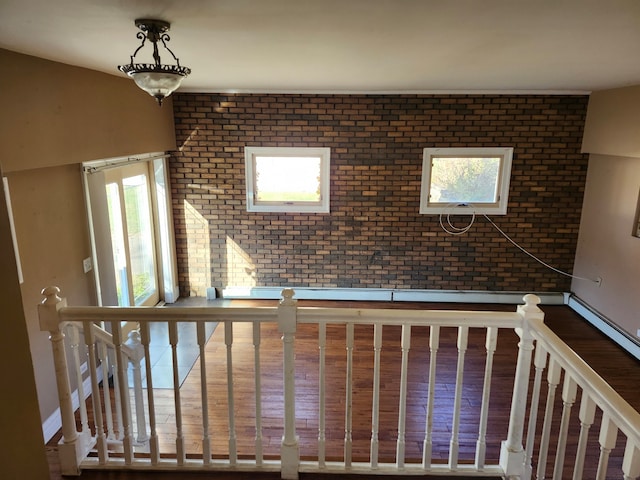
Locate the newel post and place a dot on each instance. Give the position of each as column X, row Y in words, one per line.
column 289, row 450
column 512, row 454
column 73, row 446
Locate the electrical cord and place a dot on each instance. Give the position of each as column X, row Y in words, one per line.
column 453, row 230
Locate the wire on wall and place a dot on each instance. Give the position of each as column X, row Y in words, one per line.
column 448, row 227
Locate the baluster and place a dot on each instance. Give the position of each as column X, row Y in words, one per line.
column 463, row 338
column 375, row 409
column 173, row 340
column 105, row 367
column 206, row 441
column 290, row 449
column 121, row 381
column 569, row 389
column 74, row 340
column 540, row 362
column 512, row 454
column 607, row 438
column 154, row 449
column 322, row 343
column 587, row 414
column 553, row 379
column 405, row 345
column 434, row 340
column 348, row 415
column 258, row 382
column 135, row 360
column 631, row 461
column 101, row 441
column 481, row 445
column 115, row 362
column 228, row 340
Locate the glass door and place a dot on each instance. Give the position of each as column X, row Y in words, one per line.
column 132, row 234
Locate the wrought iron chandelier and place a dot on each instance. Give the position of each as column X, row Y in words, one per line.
column 156, row 79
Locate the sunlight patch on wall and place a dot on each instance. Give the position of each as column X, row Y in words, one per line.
column 190, row 140
column 241, row 271
column 198, row 251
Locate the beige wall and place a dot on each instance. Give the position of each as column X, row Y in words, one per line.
column 50, row 221
column 613, row 123
column 53, row 118
column 22, row 453
column 55, row 114
column 606, row 247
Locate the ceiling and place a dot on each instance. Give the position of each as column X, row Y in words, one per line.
column 350, row 46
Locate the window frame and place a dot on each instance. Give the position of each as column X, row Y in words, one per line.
column 250, row 154
column 464, row 208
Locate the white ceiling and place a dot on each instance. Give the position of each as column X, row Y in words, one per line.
column 348, row 45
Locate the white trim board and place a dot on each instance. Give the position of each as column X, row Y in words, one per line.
column 467, row 296
column 389, row 295
column 309, row 293
column 606, row 326
column 598, row 320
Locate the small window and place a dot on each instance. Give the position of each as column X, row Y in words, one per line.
column 287, row 179
column 477, row 178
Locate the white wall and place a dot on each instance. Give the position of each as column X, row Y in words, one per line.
column 606, row 247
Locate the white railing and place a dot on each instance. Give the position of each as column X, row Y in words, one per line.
column 616, row 417
column 498, row 446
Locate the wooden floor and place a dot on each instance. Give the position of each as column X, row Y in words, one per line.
column 616, row 366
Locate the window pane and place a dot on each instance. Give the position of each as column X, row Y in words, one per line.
column 287, row 179
column 464, row 179
column 136, row 199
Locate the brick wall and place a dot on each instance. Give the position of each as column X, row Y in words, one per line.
column 374, row 236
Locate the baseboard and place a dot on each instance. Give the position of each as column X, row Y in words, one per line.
column 53, row 423
column 390, row 295
column 469, row 296
column 605, row 325
column 310, row 293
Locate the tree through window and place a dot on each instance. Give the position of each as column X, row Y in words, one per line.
column 477, row 178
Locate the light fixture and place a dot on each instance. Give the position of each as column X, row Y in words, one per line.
column 156, row 79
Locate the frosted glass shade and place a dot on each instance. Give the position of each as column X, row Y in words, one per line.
column 157, row 84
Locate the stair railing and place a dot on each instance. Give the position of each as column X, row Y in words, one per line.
column 519, row 457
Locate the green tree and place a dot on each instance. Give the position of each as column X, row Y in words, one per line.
column 465, row 180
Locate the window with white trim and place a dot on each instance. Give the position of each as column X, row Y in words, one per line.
column 475, row 178
column 287, row 179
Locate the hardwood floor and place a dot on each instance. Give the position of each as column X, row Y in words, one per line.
column 616, row 366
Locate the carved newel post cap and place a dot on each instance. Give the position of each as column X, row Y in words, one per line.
column 531, row 302
column 48, row 309
column 51, row 295
column 287, row 296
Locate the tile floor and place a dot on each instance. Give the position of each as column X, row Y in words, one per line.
column 187, row 349
column 161, row 355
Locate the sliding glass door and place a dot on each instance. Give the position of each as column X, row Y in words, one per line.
column 132, row 234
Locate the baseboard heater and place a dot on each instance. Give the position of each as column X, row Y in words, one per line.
column 601, row 322
column 385, row 295
column 605, row 325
